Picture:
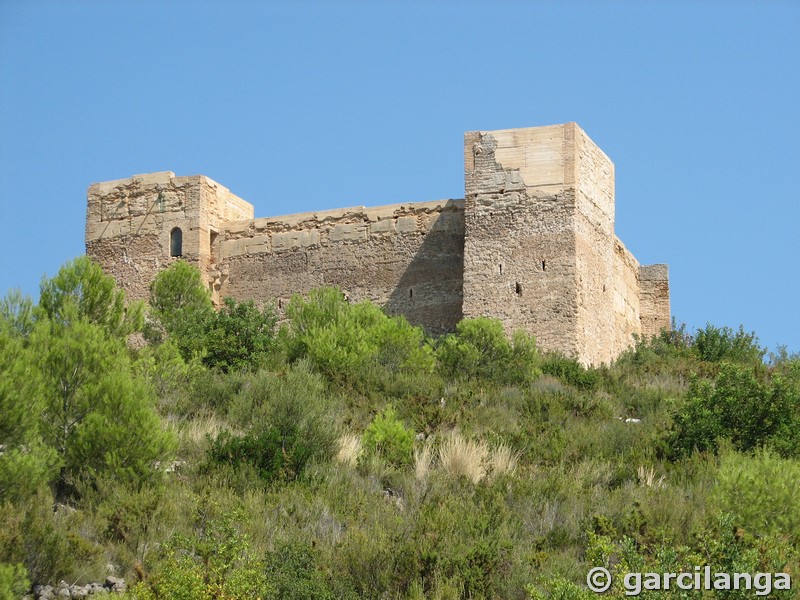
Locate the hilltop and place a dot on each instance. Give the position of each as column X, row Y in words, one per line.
column 344, row 453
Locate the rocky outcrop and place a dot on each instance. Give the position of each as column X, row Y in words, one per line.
column 112, row 585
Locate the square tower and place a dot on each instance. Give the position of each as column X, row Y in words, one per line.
column 540, row 252
column 137, row 226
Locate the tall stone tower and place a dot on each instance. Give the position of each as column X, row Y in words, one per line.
column 539, row 249
column 137, row 226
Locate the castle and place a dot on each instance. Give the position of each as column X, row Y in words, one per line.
column 532, row 243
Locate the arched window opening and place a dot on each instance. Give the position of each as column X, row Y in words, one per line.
column 176, row 242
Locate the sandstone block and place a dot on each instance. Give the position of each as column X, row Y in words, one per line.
column 406, row 224
column 347, row 232
column 234, row 247
column 382, row 226
column 295, row 239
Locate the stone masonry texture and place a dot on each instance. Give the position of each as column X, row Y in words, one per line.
column 532, row 243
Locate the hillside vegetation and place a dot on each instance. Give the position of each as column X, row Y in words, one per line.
column 342, row 453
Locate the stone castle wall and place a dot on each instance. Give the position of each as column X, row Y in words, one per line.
column 406, row 257
column 532, row 244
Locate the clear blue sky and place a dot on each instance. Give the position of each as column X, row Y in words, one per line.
column 300, row 106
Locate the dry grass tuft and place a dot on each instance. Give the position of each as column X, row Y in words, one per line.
column 195, row 430
column 462, row 457
column 647, row 478
column 503, row 461
column 349, row 449
column 423, row 459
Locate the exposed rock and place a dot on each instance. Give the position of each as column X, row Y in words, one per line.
column 115, row 584
column 112, row 585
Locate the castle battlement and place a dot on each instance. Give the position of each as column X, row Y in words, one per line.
column 532, row 243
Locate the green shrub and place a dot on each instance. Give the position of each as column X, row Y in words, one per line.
column 721, row 546
column 293, row 572
column 740, row 407
column 570, row 371
column 25, row 469
column 98, row 416
column 48, row 542
column 264, row 450
column 13, row 581
column 217, row 562
column 727, row 548
column 715, row 344
column 559, row 588
column 352, row 343
column 70, row 399
column 239, row 336
column 387, row 437
column 462, row 534
column 761, row 491
column 26, row 463
column 182, row 307
column 83, row 285
column 212, row 391
column 289, row 425
column 670, row 350
column 168, row 374
column 17, row 314
column 480, row 349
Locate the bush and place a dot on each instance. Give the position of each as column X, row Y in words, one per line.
column 122, row 437
column 352, row 343
column 46, row 541
column 239, row 336
column 182, row 306
column 659, row 352
column 289, row 425
column 13, row 581
column 570, row 371
column 17, row 314
column 715, row 344
column 761, row 491
column 217, row 562
column 721, row 546
column 26, row 463
column 168, row 374
column 481, row 350
column 462, row 534
column 264, row 450
column 388, row 438
column 25, row 469
column 82, row 284
column 742, row 408
column 293, row 572
column 97, row 415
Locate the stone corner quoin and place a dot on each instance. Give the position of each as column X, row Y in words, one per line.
column 532, row 244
